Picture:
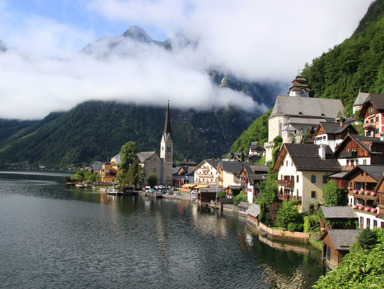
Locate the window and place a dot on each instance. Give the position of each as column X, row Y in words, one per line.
column 364, row 162
column 376, row 130
column 313, row 194
column 368, row 223
column 377, row 118
column 368, row 133
column 325, row 179
column 375, row 223
column 361, row 221
column 297, row 179
column 382, row 225
column 313, row 179
column 286, row 163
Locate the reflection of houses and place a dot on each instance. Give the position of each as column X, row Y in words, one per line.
column 297, row 113
column 303, row 170
column 359, row 150
column 332, row 133
column 250, row 177
column 206, row 172
column 373, row 113
column 336, row 244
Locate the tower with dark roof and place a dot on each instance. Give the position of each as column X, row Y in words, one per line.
column 299, row 87
column 166, row 152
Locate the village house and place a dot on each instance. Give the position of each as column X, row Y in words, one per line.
column 303, row 170
column 296, row 114
column 250, row 177
column 205, row 173
column 183, row 173
column 229, row 175
column 359, row 150
column 332, row 133
column 336, row 244
column 372, row 112
column 109, row 171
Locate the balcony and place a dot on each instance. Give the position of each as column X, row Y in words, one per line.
column 286, row 183
column 363, row 194
column 348, row 154
column 286, row 197
column 363, row 209
column 369, row 126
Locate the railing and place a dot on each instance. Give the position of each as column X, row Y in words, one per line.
column 369, row 125
column 348, row 154
column 364, row 209
column 286, row 183
column 364, row 194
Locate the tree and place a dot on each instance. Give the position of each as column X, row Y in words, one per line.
column 241, row 197
column 152, row 180
column 333, row 196
column 129, row 165
column 221, row 194
column 288, row 217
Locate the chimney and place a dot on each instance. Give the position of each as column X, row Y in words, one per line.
column 322, row 153
column 341, row 123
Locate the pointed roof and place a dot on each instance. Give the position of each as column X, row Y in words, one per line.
column 167, row 126
column 361, row 98
column 299, row 83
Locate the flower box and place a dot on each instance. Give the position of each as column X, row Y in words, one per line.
column 373, row 210
column 350, row 204
column 355, row 206
column 361, row 207
column 356, row 191
column 373, row 193
column 349, row 188
column 367, row 209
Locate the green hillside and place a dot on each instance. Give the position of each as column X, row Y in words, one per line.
column 355, row 65
column 97, row 130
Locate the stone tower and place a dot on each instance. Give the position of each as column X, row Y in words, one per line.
column 166, row 152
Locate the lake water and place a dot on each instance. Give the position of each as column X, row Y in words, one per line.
column 52, row 236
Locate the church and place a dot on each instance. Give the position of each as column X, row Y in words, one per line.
column 150, row 161
column 297, row 113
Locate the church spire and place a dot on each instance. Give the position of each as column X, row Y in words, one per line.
column 167, row 126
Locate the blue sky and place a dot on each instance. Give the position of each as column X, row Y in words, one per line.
column 258, row 40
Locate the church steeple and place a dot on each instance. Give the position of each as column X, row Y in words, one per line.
column 167, row 126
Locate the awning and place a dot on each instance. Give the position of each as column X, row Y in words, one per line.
column 202, row 186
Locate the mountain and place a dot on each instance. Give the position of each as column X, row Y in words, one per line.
column 357, row 64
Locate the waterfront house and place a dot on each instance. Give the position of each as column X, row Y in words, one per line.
column 250, row 177
column 253, row 213
column 336, row 244
column 182, row 175
column 97, row 167
column 332, row 133
column 338, row 217
column 228, row 173
column 359, row 150
column 109, row 172
column 372, row 112
column 206, row 172
column 303, row 170
column 296, row 114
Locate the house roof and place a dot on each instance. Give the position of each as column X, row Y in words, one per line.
column 117, row 158
column 244, row 205
column 335, row 127
column 97, row 166
column 306, row 158
column 212, row 163
column 339, row 212
column 375, row 171
column 364, row 142
column 321, row 108
column 361, row 98
column 377, row 100
column 342, row 239
column 253, row 210
column 233, row 167
column 143, row 156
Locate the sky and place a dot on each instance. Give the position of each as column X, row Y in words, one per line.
column 42, row 71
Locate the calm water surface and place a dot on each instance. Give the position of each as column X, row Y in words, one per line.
column 56, row 237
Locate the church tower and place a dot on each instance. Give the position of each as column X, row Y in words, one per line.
column 166, row 152
column 299, row 87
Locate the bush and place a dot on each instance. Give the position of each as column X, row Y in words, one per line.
column 240, row 198
column 288, row 214
column 221, row 194
column 310, row 222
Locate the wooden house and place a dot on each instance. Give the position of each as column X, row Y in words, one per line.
column 250, row 177
column 359, row 150
column 338, row 217
column 336, row 243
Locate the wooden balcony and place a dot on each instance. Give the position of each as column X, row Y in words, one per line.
column 286, row 197
column 286, row 183
column 348, row 154
column 366, row 195
column 365, row 210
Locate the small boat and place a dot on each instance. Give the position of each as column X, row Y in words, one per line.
column 81, row 186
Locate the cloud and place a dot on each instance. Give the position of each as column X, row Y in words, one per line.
column 257, row 40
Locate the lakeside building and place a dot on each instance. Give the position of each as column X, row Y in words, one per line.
column 303, row 170
column 250, row 177
column 296, row 114
column 205, row 173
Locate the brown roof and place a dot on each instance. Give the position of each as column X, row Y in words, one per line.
column 339, row 212
column 342, row 239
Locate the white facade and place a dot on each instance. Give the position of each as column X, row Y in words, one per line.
column 205, row 174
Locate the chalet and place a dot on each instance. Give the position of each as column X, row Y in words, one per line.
column 206, row 195
column 228, row 173
column 296, row 114
column 206, row 172
column 338, row 217
column 303, row 170
column 255, row 149
column 182, row 175
column 336, row 244
column 109, row 171
column 332, row 133
column 359, row 150
column 250, row 177
column 380, row 203
column 372, row 112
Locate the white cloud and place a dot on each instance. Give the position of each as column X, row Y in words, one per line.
column 254, row 39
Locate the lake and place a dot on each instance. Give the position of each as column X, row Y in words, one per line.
column 53, row 236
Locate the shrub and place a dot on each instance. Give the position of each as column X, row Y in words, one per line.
column 241, row 197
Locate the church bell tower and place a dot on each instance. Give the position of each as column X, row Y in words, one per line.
column 166, row 152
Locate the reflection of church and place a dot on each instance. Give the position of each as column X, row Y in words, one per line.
column 149, row 161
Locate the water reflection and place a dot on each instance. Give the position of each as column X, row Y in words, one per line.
column 84, row 239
